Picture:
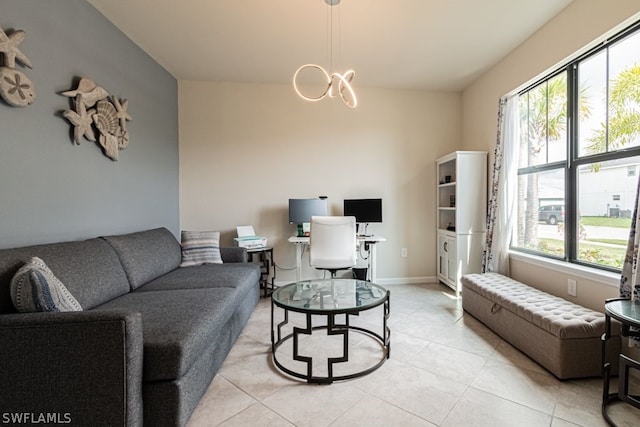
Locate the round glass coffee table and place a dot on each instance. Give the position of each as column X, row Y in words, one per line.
column 327, row 299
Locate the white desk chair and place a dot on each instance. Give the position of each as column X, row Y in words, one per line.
column 332, row 243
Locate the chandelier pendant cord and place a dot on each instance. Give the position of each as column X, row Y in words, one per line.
column 330, row 38
column 331, row 92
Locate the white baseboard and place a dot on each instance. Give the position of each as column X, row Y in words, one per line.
column 406, row 280
column 387, row 281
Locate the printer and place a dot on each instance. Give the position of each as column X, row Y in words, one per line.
column 247, row 238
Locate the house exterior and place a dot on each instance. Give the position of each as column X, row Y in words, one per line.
column 598, row 196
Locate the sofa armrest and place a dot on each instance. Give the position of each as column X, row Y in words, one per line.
column 83, row 368
column 234, row 254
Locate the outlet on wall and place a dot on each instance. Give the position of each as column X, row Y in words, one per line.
column 572, row 287
column 403, row 252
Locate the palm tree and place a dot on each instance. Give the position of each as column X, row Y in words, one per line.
column 624, row 114
column 543, row 117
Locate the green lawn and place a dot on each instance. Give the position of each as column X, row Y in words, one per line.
column 604, row 255
column 603, row 221
column 609, row 241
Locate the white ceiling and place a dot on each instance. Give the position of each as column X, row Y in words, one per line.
column 398, row 44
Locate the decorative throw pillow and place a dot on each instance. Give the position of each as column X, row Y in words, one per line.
column 35, row 288
column 200, row 247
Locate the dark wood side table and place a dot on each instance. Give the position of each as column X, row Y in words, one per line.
column 627, row 313
column 267, row 268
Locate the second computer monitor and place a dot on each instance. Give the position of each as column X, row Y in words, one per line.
column 365, row 210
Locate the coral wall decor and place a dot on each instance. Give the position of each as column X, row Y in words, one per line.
column 98, row 115
column 15, row 87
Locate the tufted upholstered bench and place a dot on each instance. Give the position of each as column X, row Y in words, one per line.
column 561, row 336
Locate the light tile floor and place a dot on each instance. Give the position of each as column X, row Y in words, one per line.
column 446, row 369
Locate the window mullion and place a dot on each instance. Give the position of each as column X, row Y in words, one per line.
column 546, row 139
column 606, row 113
column 571, row 177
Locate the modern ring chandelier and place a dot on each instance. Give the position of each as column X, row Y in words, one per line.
column 337, row 84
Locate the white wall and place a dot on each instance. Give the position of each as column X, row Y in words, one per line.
column 246, row 149
column 577, row 27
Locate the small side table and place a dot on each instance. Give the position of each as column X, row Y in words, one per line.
column 628, row 314
column 267, row 268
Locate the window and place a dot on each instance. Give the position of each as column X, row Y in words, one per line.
column 579, row 152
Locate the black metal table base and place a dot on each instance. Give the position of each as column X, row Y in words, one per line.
column 267, row 269
column 332, row 328
column 623, row 387
column 625, row 365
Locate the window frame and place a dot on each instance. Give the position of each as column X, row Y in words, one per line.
column 573, row 159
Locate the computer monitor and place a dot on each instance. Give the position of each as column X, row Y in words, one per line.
column 301, row 210
column 365, row 210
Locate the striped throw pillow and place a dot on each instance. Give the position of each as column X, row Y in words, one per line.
column 34, row 288
column 200, row 247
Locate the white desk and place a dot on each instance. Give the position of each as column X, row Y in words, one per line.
column 372, row 241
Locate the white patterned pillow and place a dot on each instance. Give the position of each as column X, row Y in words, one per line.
column 200, row 247
column 34, row 288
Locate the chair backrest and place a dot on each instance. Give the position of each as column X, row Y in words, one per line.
column 332, row 242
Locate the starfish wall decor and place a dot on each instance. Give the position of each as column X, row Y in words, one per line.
column 108, row 119
column 15, row 87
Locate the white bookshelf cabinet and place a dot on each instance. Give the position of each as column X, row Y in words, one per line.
column 461, row 215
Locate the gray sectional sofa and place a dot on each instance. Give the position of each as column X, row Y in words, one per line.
column 148, row 342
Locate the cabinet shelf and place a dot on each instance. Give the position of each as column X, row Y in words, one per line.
column 447, row 184
column 445, row 232
column 447, row 208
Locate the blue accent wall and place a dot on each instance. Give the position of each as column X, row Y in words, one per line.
column 52, row 190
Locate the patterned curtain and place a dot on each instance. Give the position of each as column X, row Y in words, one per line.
column 492, row 208
column 630, row 280
column 502, row 197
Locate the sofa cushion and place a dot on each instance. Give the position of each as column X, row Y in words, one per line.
column 234, row 254
column 207, row 276
column 90, row 270
column 200, row 247
column 146, row 255
column 35, row 288
column 177, row 326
